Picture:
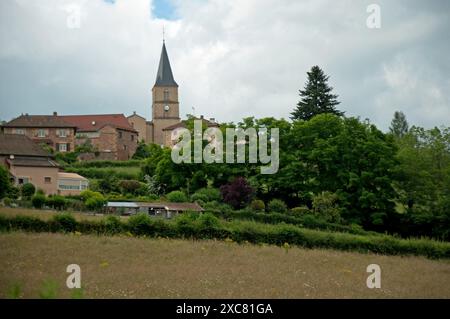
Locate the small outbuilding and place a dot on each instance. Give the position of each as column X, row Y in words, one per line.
column 157, row 209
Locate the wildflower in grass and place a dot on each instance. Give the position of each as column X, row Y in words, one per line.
column 104, row 264
column 286, row 247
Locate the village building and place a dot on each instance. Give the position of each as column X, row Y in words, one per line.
column 157, row 209
column 44, row 129
column 165, row 108
column 110, row 135
column 27, row 162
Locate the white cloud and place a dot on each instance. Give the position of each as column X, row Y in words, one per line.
column 231, row 58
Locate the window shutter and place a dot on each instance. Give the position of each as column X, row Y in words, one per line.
column 57, row 147
column 68, row 147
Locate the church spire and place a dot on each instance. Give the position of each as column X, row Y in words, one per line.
column 164, row 76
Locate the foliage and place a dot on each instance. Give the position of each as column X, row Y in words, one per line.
column 27, row 190
column 207, row 226
column 130, row 186
column 325, row 206
column 206, row 195
column 38, row 201
column 277, row 206
column 300, row 211
column 399, row 126
column 64, row 222
column 354, row 160
column 5, row 183
column 237, row 193
column 93, row 200
column 142, row 151
column 13, row 192
column 258, row 205
column 316, row 98
column 177, row 197
column 57, row 202
column 7, row 201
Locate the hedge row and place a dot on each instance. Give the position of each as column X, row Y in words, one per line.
column 207, row 226
column 99, row 164
column 306, row 221
column 101, row 173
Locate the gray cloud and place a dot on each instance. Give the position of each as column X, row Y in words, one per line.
column 231, row 58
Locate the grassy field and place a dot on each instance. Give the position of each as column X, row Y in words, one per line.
column 44, row 214
column 124, row 267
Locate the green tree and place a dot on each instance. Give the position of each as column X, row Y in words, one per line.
column 28, row 190
column 344, row 156
column 5, row 183
column 316, row 98
column 142, row 151
column 399, row 125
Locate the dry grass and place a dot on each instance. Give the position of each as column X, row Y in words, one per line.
column 43, row 214
column 122, row 267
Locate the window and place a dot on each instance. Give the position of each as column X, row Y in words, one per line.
column 124, row 147
column 41, row 133
column 72, row 185
column 20, row 131
column 23, row 180
column 132, row 137
column 62, row 133
column 166, row 95
column 47, row 180
column 120, row 134
column 63, row 147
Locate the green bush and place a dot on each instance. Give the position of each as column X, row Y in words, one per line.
column 13, row 192
column 257, row 205
column 325, row 206
column 207, row 194
column 177, row 197
column 64, row 222
column 27, row 190
column 113, row 225
column 141, row 224
column 7, row 201
column 93, row 200
column 300, row 211
column 38, row 201
column 277, row 206
column 57, row 202
column 5, row 183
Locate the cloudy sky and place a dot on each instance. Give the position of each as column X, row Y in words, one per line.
column 231, row 58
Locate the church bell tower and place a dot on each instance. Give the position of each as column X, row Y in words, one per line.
column 165, row 105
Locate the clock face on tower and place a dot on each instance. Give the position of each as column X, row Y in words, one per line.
column 166, row 108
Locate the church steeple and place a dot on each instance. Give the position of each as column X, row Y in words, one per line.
column 164, row 76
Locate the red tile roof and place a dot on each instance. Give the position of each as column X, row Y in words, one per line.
column 91, row 123
column 20, row 145
column 39, row 121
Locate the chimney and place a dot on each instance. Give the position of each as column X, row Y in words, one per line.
column 201, row 117
column 55, row 113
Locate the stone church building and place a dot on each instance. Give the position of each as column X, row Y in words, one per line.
column 165, row 105
column 165, row 108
